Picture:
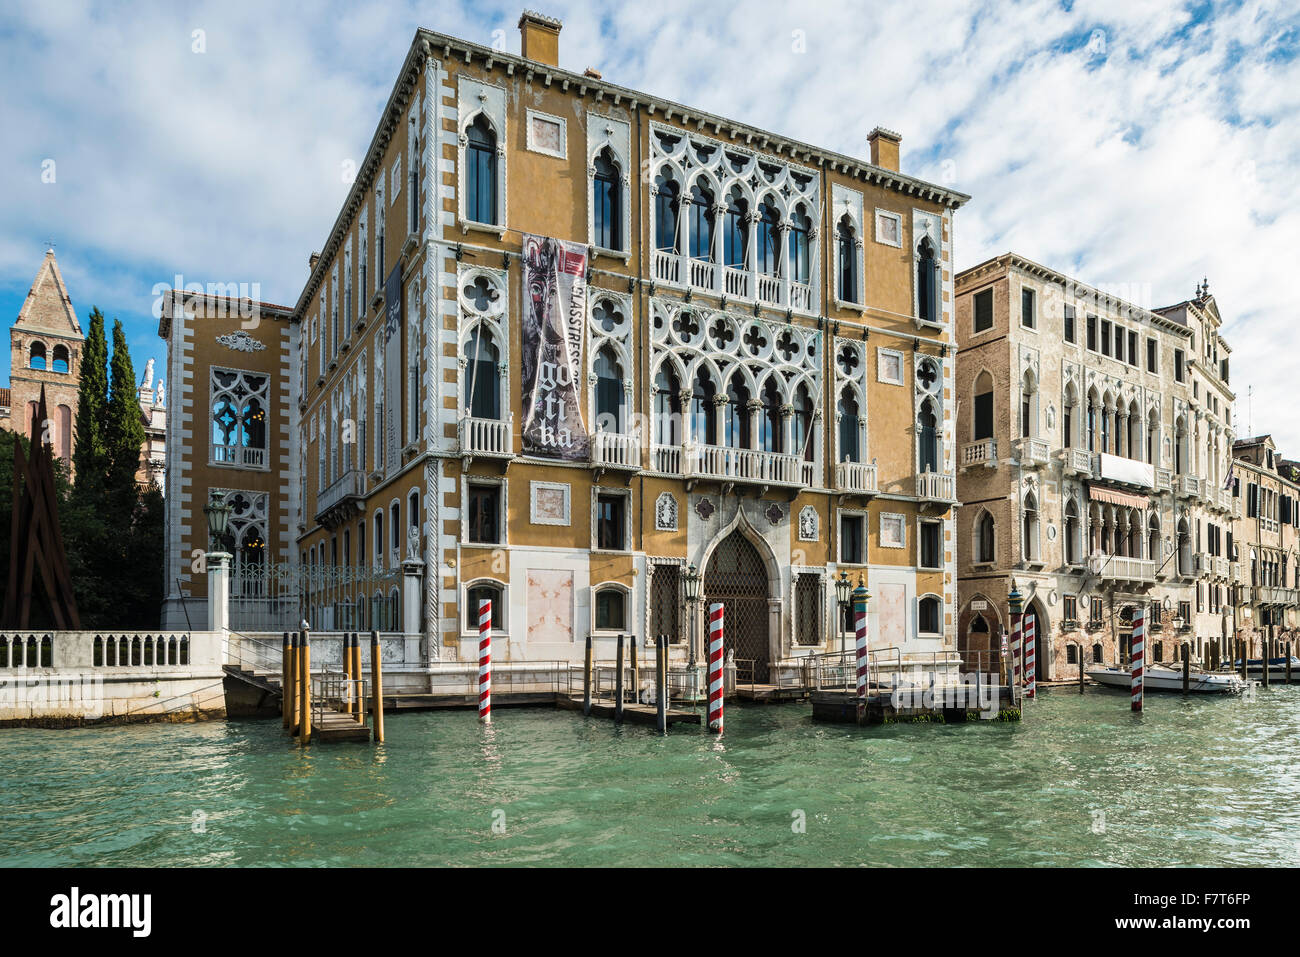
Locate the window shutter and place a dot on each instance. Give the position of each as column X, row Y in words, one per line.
column 936, row 293
column 1232, row 556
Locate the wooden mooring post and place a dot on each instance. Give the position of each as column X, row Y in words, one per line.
column 1241, row 653
column 1264, row 659
column 1187, row 667
column 618, row 683
column 661, row 685
column 586, row 680
column 304, row 689
column 377, row 687
column 348, row 675
column 636, row 671
column 1288, row 662
column 286, row 708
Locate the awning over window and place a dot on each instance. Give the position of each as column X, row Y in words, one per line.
column 1115, row 497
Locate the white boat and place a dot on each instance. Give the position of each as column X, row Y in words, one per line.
column 1158, row 678
column 1276, row 669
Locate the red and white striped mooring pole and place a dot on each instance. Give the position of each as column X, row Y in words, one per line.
column 485, row 660
column 1137, row 652
column 715, row 667
column 1016, row 603
column 860, row 598
column 1031, row 655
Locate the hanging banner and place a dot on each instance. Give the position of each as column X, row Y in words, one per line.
column 392, row 368
column 554, row 319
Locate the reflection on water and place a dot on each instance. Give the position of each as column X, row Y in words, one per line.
column 1081, row 781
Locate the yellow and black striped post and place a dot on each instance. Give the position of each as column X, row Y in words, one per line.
column 357, row 677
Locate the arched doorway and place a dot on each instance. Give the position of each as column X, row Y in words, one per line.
column 737, row 577
column 1042, row 640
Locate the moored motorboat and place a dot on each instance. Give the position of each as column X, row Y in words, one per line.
column 1159, row 678
column 1276, row 669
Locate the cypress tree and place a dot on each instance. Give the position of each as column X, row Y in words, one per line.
column 124, row 429
column 90, row 457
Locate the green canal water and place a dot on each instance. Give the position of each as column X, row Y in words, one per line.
column 1080, row 782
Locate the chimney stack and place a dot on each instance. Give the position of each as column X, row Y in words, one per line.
column 884, row 148
column 539, row 38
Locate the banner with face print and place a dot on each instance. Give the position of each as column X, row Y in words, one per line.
column 554, row 320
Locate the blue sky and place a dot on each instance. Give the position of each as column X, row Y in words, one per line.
column 1130, row 143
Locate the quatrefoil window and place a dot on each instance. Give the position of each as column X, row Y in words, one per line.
column 607, row 316
column 721, row 333
column 754, row 340
column 481, row 294
column 927, row 374
column 787, row 346
column 686, row 326
column 847, row 360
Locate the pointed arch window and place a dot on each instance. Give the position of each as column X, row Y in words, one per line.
column 850, row 427
column 481, row 157
column 667, row 198
column 668, row 408
column 607, row 202
column 848, row 256
column 769, row 240
column 239, row 404
column 703, row 410
column 1072, row 551
column 984, row 542
column 802, row 423
column 1029, row 529
column 770, row 437
column 700, row 224
column 735, row 429
column 927, row 438
column 482, row 376
column 800, row 226
column 609, row 392
column 735, row 234
column 927, row 283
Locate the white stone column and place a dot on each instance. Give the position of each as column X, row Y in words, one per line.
column 412, row 597
column 218, row 564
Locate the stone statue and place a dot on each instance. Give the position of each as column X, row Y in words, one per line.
column 160, row 397
column 147, row 382
column 412, row 543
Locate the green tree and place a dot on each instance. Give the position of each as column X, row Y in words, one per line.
column 90, row 458
column 124, row 427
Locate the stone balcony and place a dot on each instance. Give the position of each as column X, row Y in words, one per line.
column 742, row 284
column 1274, row 595
column 857, row 478
column 725, row 464
column 980, row 452
column 1189, row 486
column 1033, row 453
column 937, row 487
column 1078, row 461
column 1120, row 568
column 342, row 499
column 613, row 450
column 487, row 438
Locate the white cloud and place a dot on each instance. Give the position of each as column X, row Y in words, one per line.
column 1161, row 151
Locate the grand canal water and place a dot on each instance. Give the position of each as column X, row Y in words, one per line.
column 1080, row 782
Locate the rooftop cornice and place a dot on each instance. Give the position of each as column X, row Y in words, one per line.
column 1008, row 261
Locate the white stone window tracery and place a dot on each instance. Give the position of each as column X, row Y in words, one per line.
column 714, row 172
column 240, row 418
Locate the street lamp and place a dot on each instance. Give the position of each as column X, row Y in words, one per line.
column 692, row 579
column 843, row 593
column 217, row 513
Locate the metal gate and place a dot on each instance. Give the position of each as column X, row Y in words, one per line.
column 737, row 578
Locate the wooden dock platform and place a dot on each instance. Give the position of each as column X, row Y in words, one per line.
column 767, row 694
column 331, row 726
column 841, row 707
column 632, row 713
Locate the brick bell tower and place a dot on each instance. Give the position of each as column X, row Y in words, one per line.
column 45, row 345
